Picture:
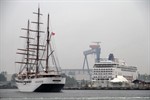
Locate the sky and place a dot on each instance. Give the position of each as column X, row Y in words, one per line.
column 122, row 27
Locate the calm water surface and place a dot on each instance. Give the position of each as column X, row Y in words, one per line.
column 14, row 94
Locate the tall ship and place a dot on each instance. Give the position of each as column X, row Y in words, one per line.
column 39, row 67
column 109, row 72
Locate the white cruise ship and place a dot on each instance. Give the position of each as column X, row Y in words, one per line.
column 109, row 70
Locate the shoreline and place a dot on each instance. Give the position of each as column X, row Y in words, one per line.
column 90, row 88
column 106, row 88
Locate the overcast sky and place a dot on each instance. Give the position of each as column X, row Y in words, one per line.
column 123, row 27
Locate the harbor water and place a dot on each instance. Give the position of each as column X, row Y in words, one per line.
column 14, row 94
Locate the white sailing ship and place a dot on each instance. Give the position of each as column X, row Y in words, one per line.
column 36, row 73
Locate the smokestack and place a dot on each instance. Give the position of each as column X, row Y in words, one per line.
column 111, row 57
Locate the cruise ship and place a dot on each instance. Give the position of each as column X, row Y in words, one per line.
column 111, row 71
column 108, row 72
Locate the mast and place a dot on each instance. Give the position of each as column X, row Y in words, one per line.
column 35, row 47
column 49, row 47
column 27, row 51
column 28, row 41
column 49, row 35
column 38, row 40
column 47, row 56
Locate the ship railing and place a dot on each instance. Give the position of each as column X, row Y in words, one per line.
column 106, row 59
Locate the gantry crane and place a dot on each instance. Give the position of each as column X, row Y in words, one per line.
column 95, row 49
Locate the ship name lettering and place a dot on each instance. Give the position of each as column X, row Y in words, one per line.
column 38, row 81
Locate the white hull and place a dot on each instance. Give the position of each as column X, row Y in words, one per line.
column 44, row 84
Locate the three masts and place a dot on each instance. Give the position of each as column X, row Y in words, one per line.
column 49, row 79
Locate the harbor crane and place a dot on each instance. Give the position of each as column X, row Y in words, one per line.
column 95, row 49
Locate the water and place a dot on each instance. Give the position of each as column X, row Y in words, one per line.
column 14, row 94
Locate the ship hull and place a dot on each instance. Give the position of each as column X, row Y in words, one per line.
column 49, row 88
column 48, row 84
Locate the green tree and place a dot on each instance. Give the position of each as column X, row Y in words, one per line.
column 71, row 82
column 13, row 77
column 2, row 77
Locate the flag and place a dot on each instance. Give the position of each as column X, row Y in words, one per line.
column 52, row 33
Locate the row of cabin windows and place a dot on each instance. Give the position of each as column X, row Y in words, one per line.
column 103, row 69
column 129, row 70
column 103, row 73
column 102, row 77
column 105, row 65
